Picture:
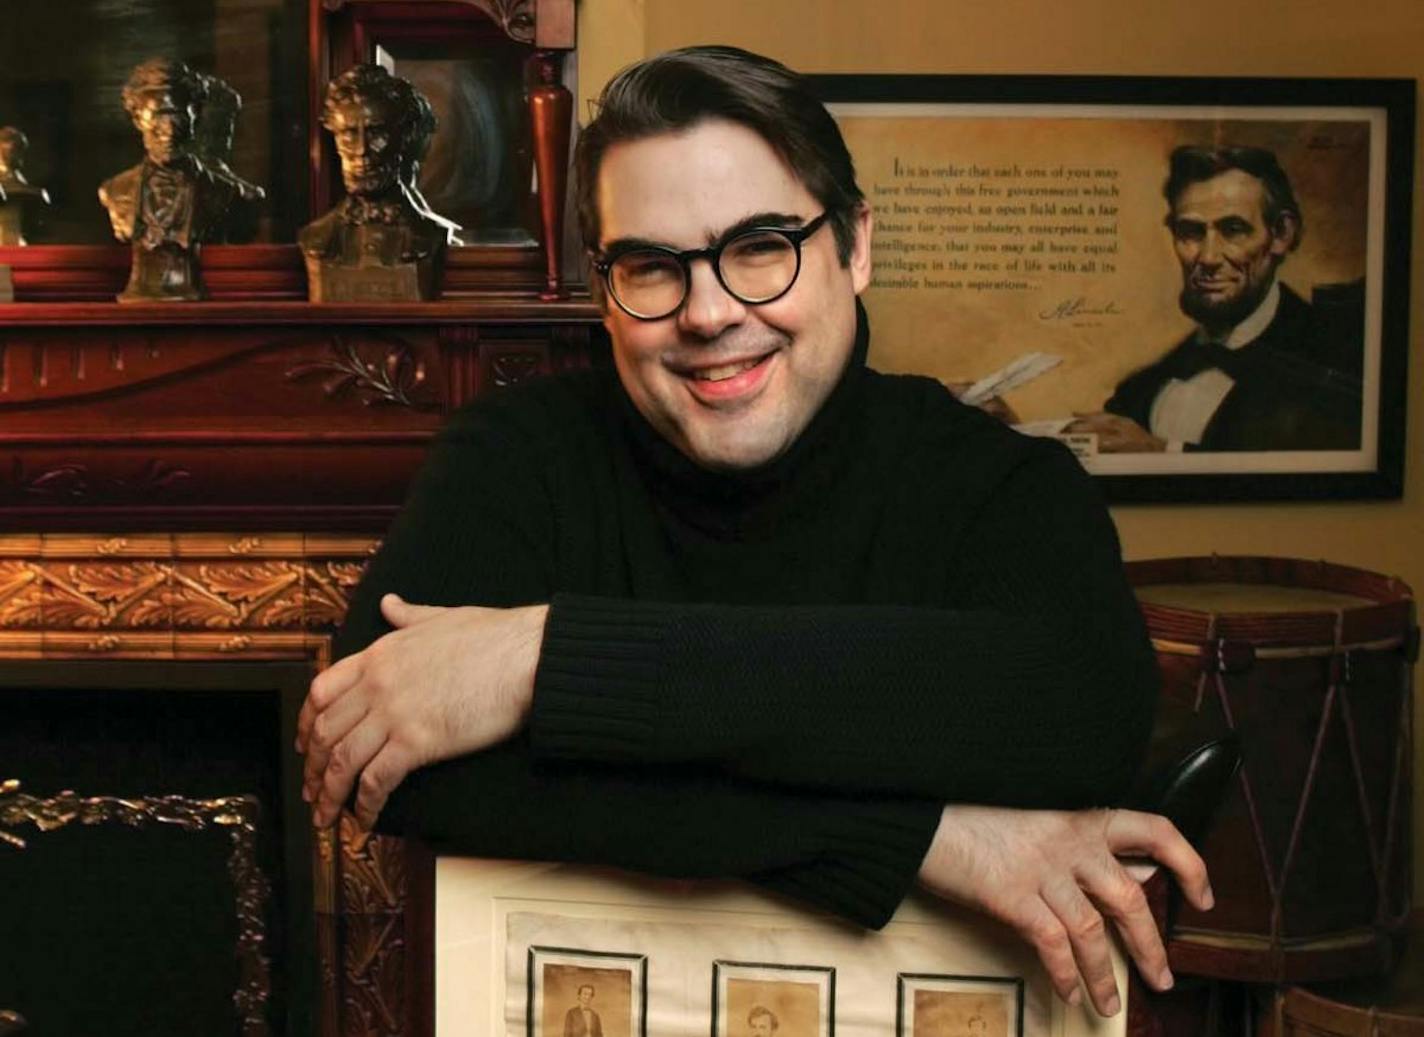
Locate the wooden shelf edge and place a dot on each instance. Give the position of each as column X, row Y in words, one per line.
column 497, row 308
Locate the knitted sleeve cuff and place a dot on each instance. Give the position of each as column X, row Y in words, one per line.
column 595, row 690
column 871, row 860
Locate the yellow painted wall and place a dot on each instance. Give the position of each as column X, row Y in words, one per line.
column 1120, row 37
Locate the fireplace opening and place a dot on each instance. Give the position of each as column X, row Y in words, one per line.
column 165, row 884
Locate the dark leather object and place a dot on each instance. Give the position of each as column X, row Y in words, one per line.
column 1187, row 773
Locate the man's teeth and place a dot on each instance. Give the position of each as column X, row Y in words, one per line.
column 721, row 374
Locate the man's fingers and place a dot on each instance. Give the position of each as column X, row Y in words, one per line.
column 1121, row 898
column 401, row 613
column 1041, row 927
column 348, row 759
column 1135, row 834
column 1088, row 938
column 330, row 684
column 379, row 779
column 330, row 727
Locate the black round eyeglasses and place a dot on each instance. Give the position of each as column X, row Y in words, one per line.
column 755, row 265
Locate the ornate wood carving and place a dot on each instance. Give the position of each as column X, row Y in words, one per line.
column 178, row 584
column 237, row 814
column 79, row 484
column 515, row 366
column 515, row 17
column 395, row 376
column 374, row 893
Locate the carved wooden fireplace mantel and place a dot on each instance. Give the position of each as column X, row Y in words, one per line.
column 248, row 415
column 206, row 482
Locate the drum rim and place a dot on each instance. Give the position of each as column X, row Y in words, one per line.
column 1298, row 997
column 1381, row 624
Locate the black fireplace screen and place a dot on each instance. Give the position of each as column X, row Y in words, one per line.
column 163, row 885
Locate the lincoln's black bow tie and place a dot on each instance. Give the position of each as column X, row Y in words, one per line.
column 1204, row 356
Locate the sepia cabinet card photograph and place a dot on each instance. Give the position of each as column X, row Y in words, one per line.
column 958, row 1006
column 1200, row 287
column 754, row 999
column 585, row 993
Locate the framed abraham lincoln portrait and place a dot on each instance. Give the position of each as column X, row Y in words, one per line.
column 1200, row 286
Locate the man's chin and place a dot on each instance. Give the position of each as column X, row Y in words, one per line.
column 719, row 452
column 1218, row 312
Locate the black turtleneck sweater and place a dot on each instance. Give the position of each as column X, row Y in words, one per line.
column 779, row 674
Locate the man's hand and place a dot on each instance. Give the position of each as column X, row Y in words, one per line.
column 1053, row 876
column 445, row 682
column 1117, row 435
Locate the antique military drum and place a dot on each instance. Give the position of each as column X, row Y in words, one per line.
column 1310, row 664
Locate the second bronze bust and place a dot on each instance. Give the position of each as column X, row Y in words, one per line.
column 382, row 243
column 181, row 194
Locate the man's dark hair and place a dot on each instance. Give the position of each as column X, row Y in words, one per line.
column 760, row 1010
column 1190, row 164
column 585, row 986
column 413, row 118
column 157, row 75
column 677, row 90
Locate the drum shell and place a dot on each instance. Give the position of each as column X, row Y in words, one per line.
column 1384, row 1006
column 1301, row 1013
column 1310, row 854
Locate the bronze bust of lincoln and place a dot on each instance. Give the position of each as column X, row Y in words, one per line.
column 381, row 243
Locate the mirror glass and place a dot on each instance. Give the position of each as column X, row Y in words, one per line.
column 63, row 65
column 479, row 168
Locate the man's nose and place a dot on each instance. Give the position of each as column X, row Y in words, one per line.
column 709, row 308
column 1211, row 247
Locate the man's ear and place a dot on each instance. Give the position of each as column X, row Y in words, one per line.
column 597, row 290
column 864, row 224
column 1285, row 235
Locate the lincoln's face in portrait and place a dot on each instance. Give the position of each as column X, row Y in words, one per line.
column 164, row 116
column 1228, row 245
column 364, row 129
column 585, row 996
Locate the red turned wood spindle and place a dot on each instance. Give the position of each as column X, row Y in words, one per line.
column 550, row 110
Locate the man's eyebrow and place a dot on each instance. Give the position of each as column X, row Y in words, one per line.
column 756, row 219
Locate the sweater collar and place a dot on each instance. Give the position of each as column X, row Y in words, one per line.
column 741, row 504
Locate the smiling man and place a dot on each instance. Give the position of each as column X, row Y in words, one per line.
column 1264, row 370
column 744, row 584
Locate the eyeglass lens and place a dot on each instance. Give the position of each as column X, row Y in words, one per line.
column 755, row 267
